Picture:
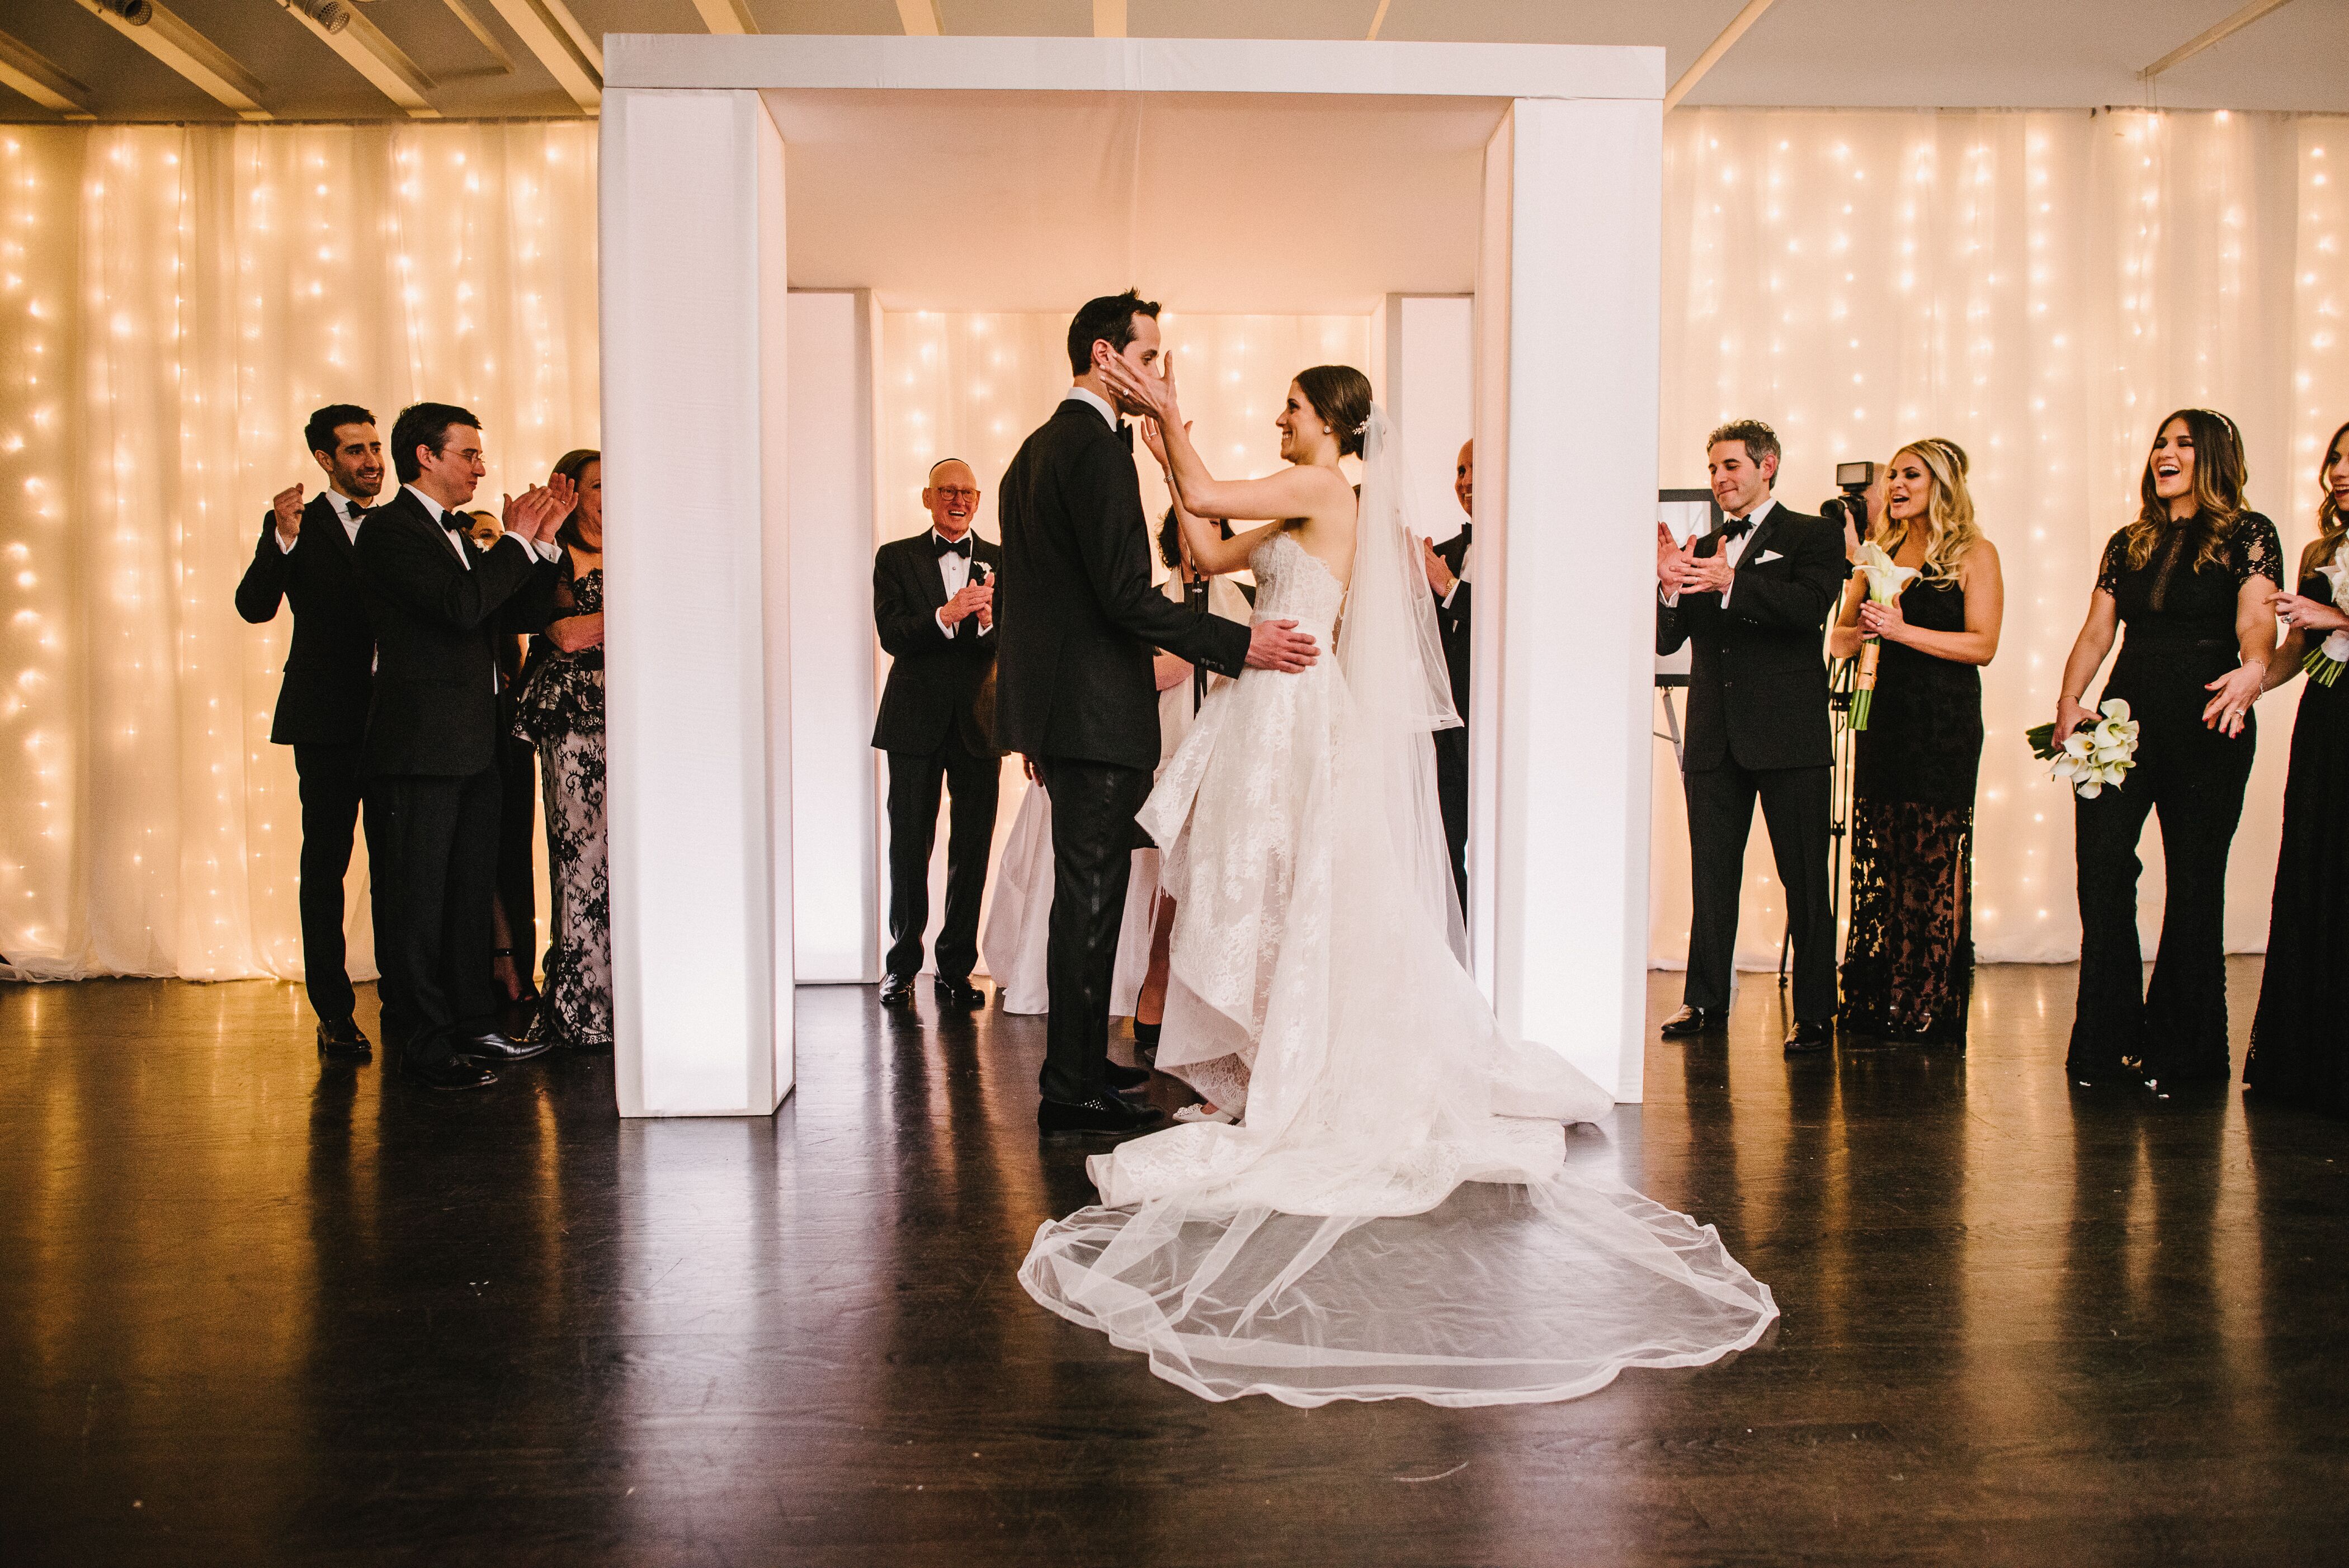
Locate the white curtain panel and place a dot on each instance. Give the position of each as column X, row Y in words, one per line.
column 174, row 301
column 2040, row 288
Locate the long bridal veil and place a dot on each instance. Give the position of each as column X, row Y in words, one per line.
column 1396, row 1215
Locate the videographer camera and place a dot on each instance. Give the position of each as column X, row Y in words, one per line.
column 1862, row 500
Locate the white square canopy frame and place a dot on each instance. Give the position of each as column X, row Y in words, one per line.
column 698, row 198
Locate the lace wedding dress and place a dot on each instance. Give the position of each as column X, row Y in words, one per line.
column 1394, row 1214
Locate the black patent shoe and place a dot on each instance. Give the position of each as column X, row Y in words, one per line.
column 898, row 991
column 958, row 993
column 448, row 1074
column 489, row 1046
column 1124, row 1079
column 1691, row 1021
column 1807, row 1038
column 344, row 1040
column 1103, row 1113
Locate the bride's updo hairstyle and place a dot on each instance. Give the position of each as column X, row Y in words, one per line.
column 1341, row 395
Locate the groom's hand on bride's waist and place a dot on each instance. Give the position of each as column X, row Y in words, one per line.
column 1279, row 645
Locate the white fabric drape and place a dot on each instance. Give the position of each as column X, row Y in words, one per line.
column 2040, row 288
column 174, row 302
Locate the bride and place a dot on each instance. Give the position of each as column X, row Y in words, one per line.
column 1392, row 1213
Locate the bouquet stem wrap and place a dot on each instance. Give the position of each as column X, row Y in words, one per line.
column 1885, row 584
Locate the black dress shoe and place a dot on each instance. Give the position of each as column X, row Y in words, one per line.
column 491, row 1047
column 1124, row 1079
column 1103, row 1113
column 898, row 991
column 1146, row 1040
column 1817, row 1034
column 959, row 993
column 1692, row 1021
column 342, row 1038
column 448, row 1073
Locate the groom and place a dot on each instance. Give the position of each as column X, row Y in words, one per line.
column 1077, row 619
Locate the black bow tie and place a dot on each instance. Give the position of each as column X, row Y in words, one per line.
column 1125, row 434
column 1734, row 527
column 1467, row 534
column 959, row 547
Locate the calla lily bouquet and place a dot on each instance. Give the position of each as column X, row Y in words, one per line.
column 2323, row 664
column 1885, row 584
column 2092, row 756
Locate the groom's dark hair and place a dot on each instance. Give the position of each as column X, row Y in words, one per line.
column 1109, row 319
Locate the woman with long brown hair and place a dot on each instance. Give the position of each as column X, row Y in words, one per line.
column 2296, row 1054
column 2194, row 576
column 1907, row 969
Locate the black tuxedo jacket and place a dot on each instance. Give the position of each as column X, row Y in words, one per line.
column 437, row 630
column 1757, row 672
column 1076, row 612
column 1453, row 621
column 329, row 667
column 935, row 685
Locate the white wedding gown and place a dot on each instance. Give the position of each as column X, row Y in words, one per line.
column 1394, row 1215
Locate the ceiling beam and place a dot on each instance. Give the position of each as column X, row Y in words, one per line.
column 383, row 63
column 2202, row 41
column 1378, row 20
column 921, row 18
column 1714, row 51
column 543, row 33
column 1109, row 19
column 483, row 36
column 30, row 72
column 726, row 16
column 168, row 37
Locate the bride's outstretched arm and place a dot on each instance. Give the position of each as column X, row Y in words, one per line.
column 1302, row 490
column 1209, row 552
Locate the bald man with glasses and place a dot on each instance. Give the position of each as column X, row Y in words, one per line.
column 934, row 606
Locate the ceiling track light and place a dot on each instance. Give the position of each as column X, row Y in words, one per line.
column 331, row 16
column 138, row 12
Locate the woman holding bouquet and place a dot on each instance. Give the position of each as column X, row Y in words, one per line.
column 1908, row 969
column 2296, row 1053
column 2194, row 577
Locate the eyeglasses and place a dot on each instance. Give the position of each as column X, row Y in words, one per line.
column 969, row 495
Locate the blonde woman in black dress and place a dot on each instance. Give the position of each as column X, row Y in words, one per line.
column 2194, row 577
column 1907, row 969
column 2297, row 1054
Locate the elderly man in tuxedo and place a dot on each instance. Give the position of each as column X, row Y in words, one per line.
column 1754, row 597
column 1449, row 567
column 440, row 603
column 305, row 557
column 934, row 606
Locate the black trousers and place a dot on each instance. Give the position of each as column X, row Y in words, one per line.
column 437, row 844
column 2174, row 1029
column 1794, row 808
column 331, row 793
column 1452, row 798
column 517, row 849
column 1094, row 805
column 973, row 782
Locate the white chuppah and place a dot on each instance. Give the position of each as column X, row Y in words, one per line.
column 1217, row 177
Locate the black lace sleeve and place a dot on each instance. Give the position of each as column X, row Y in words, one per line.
column 2254, row 551
column 2108, row 572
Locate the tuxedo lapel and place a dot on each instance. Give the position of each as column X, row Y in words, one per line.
column 1761, row 540
column 925, row 563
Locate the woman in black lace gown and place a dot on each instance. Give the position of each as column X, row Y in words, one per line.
column 2194, row 577
column 2297, row 1053
column 1907, row 969
column 561, row 713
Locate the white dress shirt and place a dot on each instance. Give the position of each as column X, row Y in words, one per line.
column 1086, row 395
column 1735, row 549
column 955, row 571
column 1467, row 565
column 344, row 508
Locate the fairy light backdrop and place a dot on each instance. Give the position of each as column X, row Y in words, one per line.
column 173, row 302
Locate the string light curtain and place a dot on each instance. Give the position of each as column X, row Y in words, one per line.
column 2040, row 288
column 174, row 301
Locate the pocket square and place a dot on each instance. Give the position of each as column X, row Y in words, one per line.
column 1766, row 557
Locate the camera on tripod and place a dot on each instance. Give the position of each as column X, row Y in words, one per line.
column 1851, row 507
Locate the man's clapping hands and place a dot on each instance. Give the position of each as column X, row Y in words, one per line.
column 974, row 599
column 1680, row 569
column 535, row 515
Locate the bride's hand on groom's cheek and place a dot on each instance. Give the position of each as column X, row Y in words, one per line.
column 1279, row 645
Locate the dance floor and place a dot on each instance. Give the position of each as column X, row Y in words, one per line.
column 257, row 1312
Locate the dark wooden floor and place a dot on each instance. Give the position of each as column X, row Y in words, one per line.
column 253, row 1312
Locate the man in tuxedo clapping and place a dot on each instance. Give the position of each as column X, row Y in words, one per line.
column 1753, row 596
column 1449, row 567
column 934, row 606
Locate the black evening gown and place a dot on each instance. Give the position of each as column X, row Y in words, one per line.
column 561, row 713
column 2297, row 1053
column 2179, row 635
column 1909, row 962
